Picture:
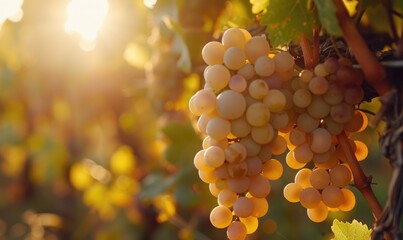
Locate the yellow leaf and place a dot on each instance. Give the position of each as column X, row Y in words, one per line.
column 350, row 231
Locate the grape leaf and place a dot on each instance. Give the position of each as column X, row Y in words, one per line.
column 350, row 231
column 327, row 17
column 287, row 20
column 369, row 3
column 259, row 5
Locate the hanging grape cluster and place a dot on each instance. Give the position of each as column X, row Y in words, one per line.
column 253, row 106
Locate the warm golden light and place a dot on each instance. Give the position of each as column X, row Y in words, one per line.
column 86, row 17
column 10, row 10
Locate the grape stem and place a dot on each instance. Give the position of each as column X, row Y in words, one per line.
column 307, row 52
column 373, row 70
column 361, row 182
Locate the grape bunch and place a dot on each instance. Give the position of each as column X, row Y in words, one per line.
column 241, row 110
column 254, row 106
column 324, row 100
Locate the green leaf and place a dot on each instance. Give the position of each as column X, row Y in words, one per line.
column 287, row 20
column 350, row 231
column 369, row 3
column 259, row 5
column 327, row 16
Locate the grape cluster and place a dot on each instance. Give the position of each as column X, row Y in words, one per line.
column 240, row 110
column 324, row 101
column 254, row 105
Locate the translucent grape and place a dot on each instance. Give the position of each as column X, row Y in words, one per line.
column 239, row 185
column 240, row 127
column 258, row 89
column 217, row 77
column 247, row 71
column 251, row 224
column 237, row 169
column 318, row 108
column 278, row 145
column 203, row 121
column 353, row 94
column 214, row 156
column 274, row 81
column 235, row 152
column 302, row 98
column 318, row 85
column 303, row 153
column 200, row 162
column 234, row 58
column 213, row 53
column 342, row 112
column 256, row 47
column 297, row 136
column 302, row 178
column 252, row 148
column 208, row 141
column 258, row 114
column 319, row 178
column 320, row 70
column 321, row 140
column 233, row 37
column 332, row 196
column 333, row 127
column 283, row 61
column 222, row 171
column 214, row 190
column 263, row 134
column 349, row 200
column 331, row 65
column 340, row 175
column 226, row 198
column 272, row 169
column 236, row 231
column 334, row 94
column 292, row 192
column 319, row 213
column 356, row 123
column 275, row 99
column 291, row 162
column 207, row 176
column 218, row 128
column 310, row 197
column 243, row 207
column 259, row 186
column 221, row 217
column 306, row 75
column 361, row 151
column 264, row 66
column 261, row 206
column 254, row 166
column 230, row 104
column 279, row 120
column 237, row 83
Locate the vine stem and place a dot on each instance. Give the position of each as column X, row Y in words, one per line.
column 373, row 70
column 362, row 182
column 307, row 51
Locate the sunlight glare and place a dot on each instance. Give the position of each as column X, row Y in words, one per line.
column 11, row 10
column 149, row 3
column 85, row 17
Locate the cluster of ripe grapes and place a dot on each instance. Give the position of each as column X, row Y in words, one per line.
column 253, row 107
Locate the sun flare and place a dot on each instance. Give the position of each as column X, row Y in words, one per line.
column 86, row 17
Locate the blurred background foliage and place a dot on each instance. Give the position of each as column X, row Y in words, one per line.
column 96, row 141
